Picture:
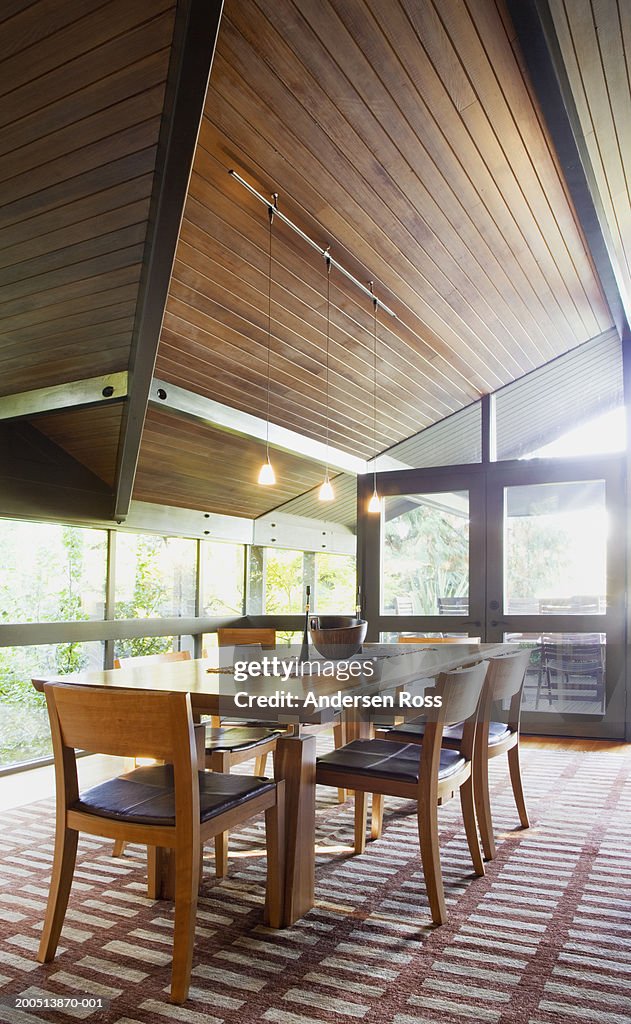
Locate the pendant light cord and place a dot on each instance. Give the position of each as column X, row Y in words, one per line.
column 375, row 303
column 270, row 210
column 327, row 258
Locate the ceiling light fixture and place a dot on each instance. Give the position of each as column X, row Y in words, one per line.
column 267, row 476
column 326, row 492
column 374, row 505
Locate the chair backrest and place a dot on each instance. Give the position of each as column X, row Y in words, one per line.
column 438, row 640
column 229, row 636
column 148, row 659
column 504, row 681
column 460, row 693
column 123, row 723
column 404, row 605
column 452, row 605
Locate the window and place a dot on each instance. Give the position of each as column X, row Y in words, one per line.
column 24, row 729
column 278, row 578
column 155, row 576
column 51, row 573
column 223, row 567
column 425, row 564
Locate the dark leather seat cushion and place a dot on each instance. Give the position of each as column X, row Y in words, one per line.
column 385, row 759
column 237, row 738
column 147, row 795
column 452, row 734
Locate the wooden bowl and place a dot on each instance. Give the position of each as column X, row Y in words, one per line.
column 338, row 636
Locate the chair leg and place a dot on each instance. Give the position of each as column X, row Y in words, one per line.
column 430, row 858
column 361, row 805
column 259, row 765
column 63, row 869
column 483, row 807
column 376, row 816
column 118, row 848
column 339, row 739
column 221, row 855
column 186, row 886
column 275, row 842
column 518, row 789
column 470, row 825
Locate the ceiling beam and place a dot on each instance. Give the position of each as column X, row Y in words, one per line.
column 538, row 40
column 235, row 421
column 107, row 387
column 195, row 36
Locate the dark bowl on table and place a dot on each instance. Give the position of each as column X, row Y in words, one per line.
column 338, row 636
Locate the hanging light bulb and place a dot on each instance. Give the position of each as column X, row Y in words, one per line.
column 326, row 492
column 374, row 505
column 267, row 476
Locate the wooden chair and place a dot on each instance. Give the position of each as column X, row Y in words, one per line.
column 225, row 749
column 238, row 636
column 438, row 640
column 168, row 806
column 504, row 682
column 148, row 659
column 428, row 774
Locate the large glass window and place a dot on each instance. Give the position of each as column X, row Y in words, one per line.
column 155, row 576
column 24, row 729
column 223, row 567
column 425, row 557
column 51, row 573
column 279, row 577
column 566, row 674
column 555, row 548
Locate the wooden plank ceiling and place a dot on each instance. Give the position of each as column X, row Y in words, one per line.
column 595, row 41
column 413, row 145
column 81, row 100
column 191, row 465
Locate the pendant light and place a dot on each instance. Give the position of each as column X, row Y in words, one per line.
column 267, row 476
column 326, row 492
column 374, row 505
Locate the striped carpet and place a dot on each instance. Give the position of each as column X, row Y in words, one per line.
column 542, row 939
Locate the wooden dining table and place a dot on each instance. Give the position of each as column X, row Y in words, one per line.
column 212, row 688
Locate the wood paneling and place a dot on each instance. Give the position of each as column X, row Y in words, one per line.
column 411, row 143
column 81, row 101
column 595, row 41
column 90, row 434
column 190, row 465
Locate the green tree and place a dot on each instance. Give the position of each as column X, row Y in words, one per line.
column 147, row 599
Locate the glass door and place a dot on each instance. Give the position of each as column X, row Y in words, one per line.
column 527, row 553
column 423, row 561
column 555, row 583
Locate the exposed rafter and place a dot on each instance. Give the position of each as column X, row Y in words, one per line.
column 94, row 390
column 195, row 37
column 235, row 421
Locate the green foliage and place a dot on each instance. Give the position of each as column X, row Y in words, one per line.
column 147, row 600
column 426, row 557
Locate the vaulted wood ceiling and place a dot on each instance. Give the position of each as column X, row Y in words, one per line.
column 404, row 134
column 411, row 144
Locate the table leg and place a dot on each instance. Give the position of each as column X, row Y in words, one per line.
column 295, row 763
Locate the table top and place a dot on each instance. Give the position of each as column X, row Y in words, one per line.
column 213, row 688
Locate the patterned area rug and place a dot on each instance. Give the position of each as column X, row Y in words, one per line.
column 543, row 938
